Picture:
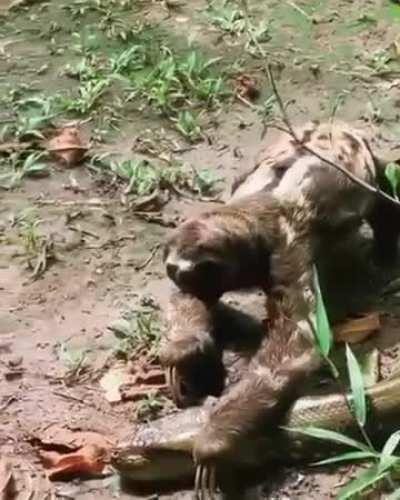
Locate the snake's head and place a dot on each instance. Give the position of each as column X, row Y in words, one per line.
column 152, row 464
column 129, row 459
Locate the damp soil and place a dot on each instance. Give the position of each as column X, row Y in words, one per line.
column 332, row 58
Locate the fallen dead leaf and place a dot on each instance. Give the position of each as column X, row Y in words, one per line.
column 6, row 480
column 68, row 146
column 246, row 87
column 90, row 460
column 57, row 437
column 358, row 329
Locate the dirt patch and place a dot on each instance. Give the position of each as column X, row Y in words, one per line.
column 62, row 62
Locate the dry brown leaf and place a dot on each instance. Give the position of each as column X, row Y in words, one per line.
column 68, row 146
column 358, row 329
column 55, row 436
column 6, row 479
column 246, row 87
column 87, row 461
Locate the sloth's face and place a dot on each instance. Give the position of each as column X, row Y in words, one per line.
column 200, row 260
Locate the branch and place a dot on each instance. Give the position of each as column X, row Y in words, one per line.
column 290, row 130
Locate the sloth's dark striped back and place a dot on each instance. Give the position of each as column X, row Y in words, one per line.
column 293, row 174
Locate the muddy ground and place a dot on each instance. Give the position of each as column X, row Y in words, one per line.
column 331, row 58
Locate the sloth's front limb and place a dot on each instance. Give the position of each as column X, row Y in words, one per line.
column 259, row 402
column 189, row 351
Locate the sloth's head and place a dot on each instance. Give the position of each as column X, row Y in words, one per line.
column 212, row 254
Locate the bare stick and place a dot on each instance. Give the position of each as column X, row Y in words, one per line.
column 365, row 185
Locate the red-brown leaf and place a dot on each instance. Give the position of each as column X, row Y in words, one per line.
column 87, row 461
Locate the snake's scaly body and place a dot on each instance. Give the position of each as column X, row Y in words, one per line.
column 162, row 450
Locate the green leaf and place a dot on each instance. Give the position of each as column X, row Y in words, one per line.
column 392, row 173
column 336, row 437
column 387, row 458
column 366, row 478
column 344, row 457
column 357, row 387
column 121, row 328
column 323, row 331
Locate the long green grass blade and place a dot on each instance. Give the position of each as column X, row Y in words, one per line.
column 387, row 459
column 344, row 457
column 392, row 173
column 364, row 480
column 327, row 435
column 357, row 387
column 323, row 331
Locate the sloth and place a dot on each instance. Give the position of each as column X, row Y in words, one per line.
column 214, row 253
column 267, row 237
column 261, row 243
column 217, row 251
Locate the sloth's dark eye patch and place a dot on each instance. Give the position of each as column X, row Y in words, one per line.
column 208, row 268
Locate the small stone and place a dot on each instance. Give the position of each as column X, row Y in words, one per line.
column 15, row 361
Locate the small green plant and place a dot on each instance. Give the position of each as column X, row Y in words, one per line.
column 79, row 8
column 204, row 181
column 132, row 59
column 17, row 167
column 235, row 20
column 176, row 81
column 138, row 331
column 142, row 177
column 379, row 60
column 392, row 174
column 115, row 27
column 384, row 463
column 28, row 224
column 38, row 248
column 33, row 114
column 74, row 360
column 227, row 17
column 187, row 123
column 150, row 407
column 89, row 93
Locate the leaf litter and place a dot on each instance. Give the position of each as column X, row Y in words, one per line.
column 66, row 453
column 68, row 146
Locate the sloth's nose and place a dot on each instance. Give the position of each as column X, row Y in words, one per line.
column 172, row 271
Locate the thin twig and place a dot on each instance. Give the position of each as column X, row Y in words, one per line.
column 365, row 185
column 144, row 264
column 300, row 10
column 68, row 396
column 7, row 403
column 249, row 28
column 282, row 108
